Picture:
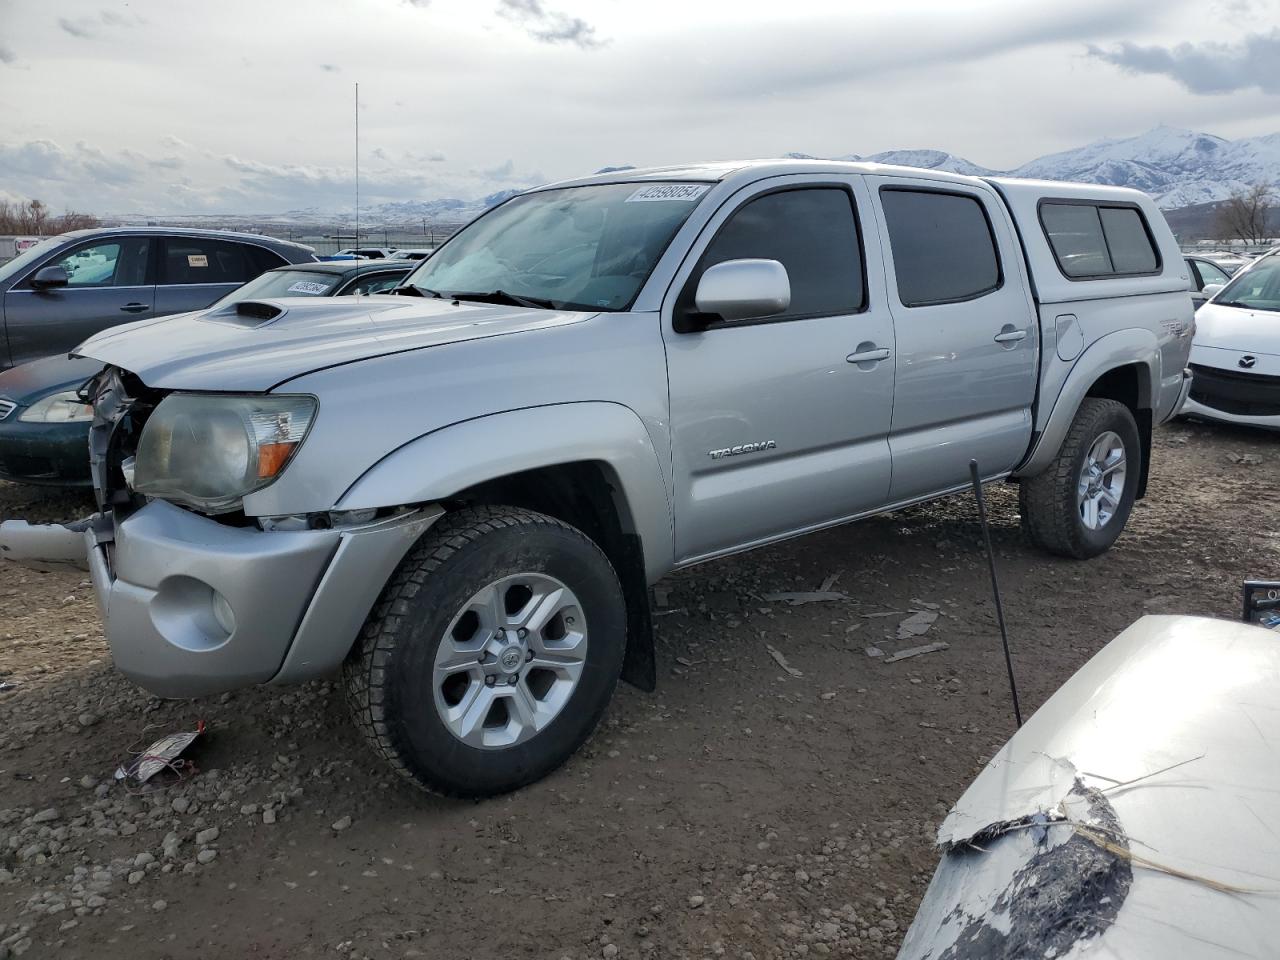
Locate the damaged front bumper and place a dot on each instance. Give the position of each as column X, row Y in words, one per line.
column 192, row 607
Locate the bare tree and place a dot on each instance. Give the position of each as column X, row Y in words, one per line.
column 33, row 218
column 1245, row 215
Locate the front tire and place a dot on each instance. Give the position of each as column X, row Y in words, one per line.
column 491, row 654
column 1078, row 506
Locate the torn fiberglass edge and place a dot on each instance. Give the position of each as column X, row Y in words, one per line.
column 1044, row 887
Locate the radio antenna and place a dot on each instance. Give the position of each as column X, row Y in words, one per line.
column 995, row 584
column 357, row 244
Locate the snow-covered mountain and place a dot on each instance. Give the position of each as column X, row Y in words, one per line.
column 1177, row 167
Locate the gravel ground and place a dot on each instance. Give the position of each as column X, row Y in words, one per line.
column 740, row 811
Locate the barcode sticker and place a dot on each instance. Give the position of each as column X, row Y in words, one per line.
column 668, row 191
column 309, row 287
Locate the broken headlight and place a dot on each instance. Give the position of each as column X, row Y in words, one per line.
column 65, row 407
column 210, row 451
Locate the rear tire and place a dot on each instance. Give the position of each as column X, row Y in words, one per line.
column 1078, row 506
column 491, row 654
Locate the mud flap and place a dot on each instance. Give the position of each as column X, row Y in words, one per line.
column 45, row 546
column 639, row 662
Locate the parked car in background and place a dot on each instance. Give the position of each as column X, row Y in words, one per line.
column 367, row 253
column 1203, row 272
column 44, row 425
column 61, row 291
column 1233, row 263
column 1235, row 356
column 415, row 253
column 593, row 384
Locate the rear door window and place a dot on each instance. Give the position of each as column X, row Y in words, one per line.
column 196, row 260
column 942, row 244
column 1092, row 241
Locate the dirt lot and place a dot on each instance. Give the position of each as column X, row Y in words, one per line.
column 740, row 811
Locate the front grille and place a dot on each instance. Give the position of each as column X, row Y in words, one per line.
column 6, row 407
column 1241, row 394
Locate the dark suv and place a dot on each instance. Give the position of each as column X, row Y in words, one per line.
column 71, row 286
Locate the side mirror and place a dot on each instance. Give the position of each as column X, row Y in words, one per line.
column 47, row 278
column 744, row 289
column 1212, row 289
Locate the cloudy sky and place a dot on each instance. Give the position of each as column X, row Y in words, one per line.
column 176, row 106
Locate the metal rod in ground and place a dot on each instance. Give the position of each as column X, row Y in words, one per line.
column 995, row 584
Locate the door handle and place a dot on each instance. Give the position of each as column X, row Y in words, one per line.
column 868, row 356
column 1010, row 336
column 135, row 307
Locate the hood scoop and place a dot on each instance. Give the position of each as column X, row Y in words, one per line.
column 247, row 314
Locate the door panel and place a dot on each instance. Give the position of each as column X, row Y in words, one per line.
column 179, row 298
column 967, row 339
column 107, row 286
column 773, row 429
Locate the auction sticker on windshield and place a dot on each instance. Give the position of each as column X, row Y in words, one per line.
column 309, row 287
column 668, row 191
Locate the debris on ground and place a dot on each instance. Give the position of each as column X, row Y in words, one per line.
column 1245, row 459
column 874, row 651
column 916, row 625
column 782, row 661
column 164, row 753
column 917, row 652
column 661, row 596
column 795, row 599
column 888, row 613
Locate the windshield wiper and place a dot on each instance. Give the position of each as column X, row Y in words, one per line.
column 501, row 296
column 413, row 290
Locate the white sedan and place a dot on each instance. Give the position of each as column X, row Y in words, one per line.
column 1236, row 352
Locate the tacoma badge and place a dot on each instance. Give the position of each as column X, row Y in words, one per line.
column 742, row 448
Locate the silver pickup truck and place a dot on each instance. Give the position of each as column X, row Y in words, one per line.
column 461, row 494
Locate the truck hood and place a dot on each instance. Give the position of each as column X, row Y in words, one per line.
column 1238, row 328
column 228, row 350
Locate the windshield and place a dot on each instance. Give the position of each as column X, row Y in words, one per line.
column 578, row 248
column 1258, row 288
column 283, row 283
column 29, row 256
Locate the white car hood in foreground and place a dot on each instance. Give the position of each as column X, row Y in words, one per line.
column 1239, row 329
column 1166, row 744
column 222, row 350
